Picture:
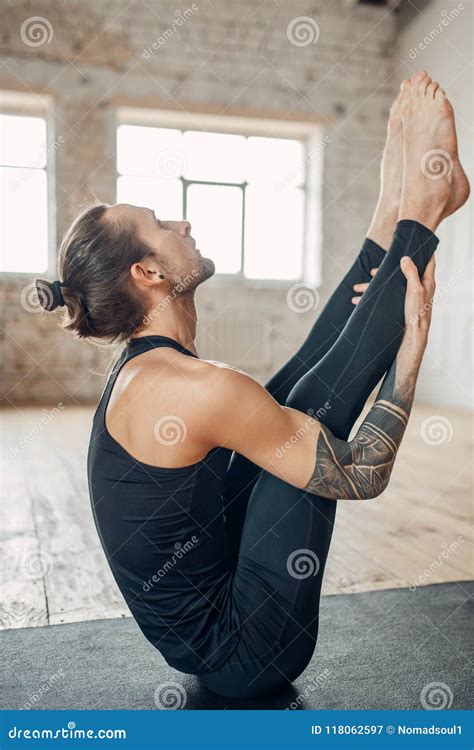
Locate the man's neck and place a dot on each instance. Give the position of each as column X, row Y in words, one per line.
column 176, row 319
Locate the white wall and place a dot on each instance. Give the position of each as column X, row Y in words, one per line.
column 445, row 30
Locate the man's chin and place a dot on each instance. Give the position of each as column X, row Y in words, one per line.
column 203, row 271
column 209, row 268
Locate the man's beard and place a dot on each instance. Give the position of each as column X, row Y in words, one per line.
column 189, row 282
column 208, row 268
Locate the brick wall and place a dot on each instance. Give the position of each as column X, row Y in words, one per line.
column 228, row 57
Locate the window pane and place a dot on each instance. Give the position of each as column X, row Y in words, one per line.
column 165, row 197
column 218, row 157
column 153, row 152
column 275, row 161
column 215, row 214
column 274, row 224
column 23, row 220
column 22, row 141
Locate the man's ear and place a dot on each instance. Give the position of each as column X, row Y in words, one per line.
column 147, row 271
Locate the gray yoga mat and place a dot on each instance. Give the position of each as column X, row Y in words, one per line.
column 396, row 649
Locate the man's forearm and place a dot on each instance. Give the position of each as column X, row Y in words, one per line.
column 361, row 468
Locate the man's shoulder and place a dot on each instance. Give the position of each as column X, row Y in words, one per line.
column 172, row 365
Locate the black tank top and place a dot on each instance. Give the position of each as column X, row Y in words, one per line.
column 163, row 533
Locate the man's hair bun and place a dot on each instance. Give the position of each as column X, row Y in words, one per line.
column 49, row 294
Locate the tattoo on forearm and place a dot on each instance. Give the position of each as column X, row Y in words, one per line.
column 361, row 468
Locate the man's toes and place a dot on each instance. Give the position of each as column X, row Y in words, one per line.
column 405, row 84
column 423, row 85
column 440, row 93
column 432, row 88
column 418, row 76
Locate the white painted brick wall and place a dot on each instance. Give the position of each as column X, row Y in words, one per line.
column 227, row 56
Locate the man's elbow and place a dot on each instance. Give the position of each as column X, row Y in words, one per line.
column 377, row 485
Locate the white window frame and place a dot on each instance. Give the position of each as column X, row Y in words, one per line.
column 310, row 134
column 24, row 104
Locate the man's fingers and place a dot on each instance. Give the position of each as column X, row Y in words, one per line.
column 410, row 272
column 428, row 279
column 356, row 300
column 360, row 287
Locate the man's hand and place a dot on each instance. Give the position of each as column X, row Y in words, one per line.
column 418, row 304
column 361, row 288
column 361, row 468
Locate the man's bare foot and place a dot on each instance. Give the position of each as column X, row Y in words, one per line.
column 434, row 182
column 385, row 217
column 391, row 172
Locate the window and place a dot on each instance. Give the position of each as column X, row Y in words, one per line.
column 245, row 194
column 23, row 194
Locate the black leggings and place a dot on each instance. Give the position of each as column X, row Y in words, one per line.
column 279, row 534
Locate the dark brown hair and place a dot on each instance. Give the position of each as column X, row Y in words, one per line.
column 94, row 264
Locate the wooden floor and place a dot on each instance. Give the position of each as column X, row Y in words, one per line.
column 53, row 569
